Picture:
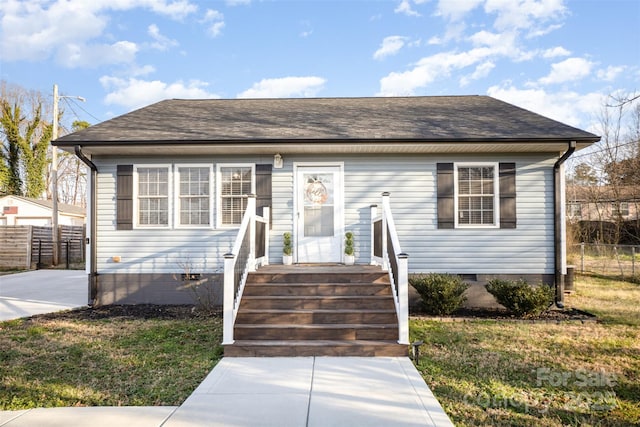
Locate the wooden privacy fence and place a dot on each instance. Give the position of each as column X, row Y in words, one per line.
column 30, row 246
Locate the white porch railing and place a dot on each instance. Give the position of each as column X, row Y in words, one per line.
column 250, row 250
column 386, row 251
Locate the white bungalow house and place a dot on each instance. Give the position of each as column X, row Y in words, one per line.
column 18, row 210
column 473, row 185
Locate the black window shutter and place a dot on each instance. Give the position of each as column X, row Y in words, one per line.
column 124, row 197
column 263, row 188
column 508, row 195
column 445, row 195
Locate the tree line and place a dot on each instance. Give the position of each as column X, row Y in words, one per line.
column 603, row 191
column 26, row 126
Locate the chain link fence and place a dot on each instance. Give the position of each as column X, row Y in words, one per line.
column 605, row 260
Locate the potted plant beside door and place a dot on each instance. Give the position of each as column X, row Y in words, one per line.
column 349, row 253
column 287, row 251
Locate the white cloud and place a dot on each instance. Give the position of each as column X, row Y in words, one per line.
column 525, row 14
column 514, row 20
column 500, row 43
column 285, row 87
column 390, row 46
column 91, row 56
column 554, row 52
column 215, row 22
column 542, row 30
column 307, row 29
column 142, row 71
column 570, row 69
column 38, row 30
column 610, row 73
column 134, row 93
column 429, row 69
column 32, row 33
column 215, row 29
column 177, row 9
column 160, row 42
column 480, row 72
column 567, row 107
column 212, row 15
column 405, row 8
column 456, row 9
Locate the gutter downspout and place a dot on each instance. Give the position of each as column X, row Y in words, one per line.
column 91, row 240
column 557, row 224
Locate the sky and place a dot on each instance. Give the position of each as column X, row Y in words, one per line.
column 559, row 58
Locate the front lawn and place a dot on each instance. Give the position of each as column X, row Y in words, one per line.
column 84, row 358
column 483, row 372
column 522, row 373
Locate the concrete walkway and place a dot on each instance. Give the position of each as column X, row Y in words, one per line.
column 282, row 391
column 41, row 291
column 301, row 391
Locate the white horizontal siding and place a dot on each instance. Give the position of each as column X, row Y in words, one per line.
column 149, row 250
column 282, row 209
column 411, row 180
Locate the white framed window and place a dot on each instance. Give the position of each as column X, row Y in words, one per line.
column 476, row 195
column 234, row 184
column 620, row 208
column 574, row 210
column 152, row 195
column 194, row 201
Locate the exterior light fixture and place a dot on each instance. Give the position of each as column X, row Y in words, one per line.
column 277, row 161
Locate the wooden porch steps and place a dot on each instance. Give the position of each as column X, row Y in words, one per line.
column 316, row 311
column 300, row 348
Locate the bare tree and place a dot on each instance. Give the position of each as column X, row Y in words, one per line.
column 607, row 181
column 72, row 174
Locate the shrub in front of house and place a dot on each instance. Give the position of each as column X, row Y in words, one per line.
column 440, row 293
column 521, row 298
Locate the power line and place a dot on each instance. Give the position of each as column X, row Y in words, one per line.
column 80, row 107
column 604, row 149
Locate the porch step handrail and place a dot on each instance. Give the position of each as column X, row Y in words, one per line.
column 242, row 260
column 386, row 251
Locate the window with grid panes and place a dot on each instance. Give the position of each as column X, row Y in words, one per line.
column 476, row 195
column 153, row 196
column 194, row 194
column 235, row 186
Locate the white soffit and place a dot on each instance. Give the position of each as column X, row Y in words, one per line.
column 185, row 148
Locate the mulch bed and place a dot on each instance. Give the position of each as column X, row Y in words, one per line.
column 551, row 315
column 152, row 311
column 137, row 311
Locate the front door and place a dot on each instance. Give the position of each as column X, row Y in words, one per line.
column 319, row 220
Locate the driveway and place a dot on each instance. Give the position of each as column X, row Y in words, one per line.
column 41, row 291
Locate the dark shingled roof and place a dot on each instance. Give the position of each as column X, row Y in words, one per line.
column 433, row 118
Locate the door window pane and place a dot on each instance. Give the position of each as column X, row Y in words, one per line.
column 318, row 204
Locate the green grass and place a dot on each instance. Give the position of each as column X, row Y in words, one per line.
column 536, row 373
column 49, row 362
column 504, row 373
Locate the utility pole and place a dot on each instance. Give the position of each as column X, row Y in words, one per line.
column 54, row 179
column 54, row 173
